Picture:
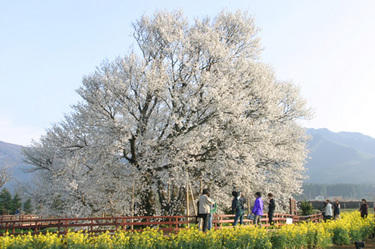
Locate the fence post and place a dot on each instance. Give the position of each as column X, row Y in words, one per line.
column 66, row 226
column 36, row 227
column 292, row 206
column 124, row 221
column 214, row 219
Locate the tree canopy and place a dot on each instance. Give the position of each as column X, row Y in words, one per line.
column 193, row 103
column 11, row 205
column 4, row 176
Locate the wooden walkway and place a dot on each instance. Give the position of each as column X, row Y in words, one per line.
column 23, row 224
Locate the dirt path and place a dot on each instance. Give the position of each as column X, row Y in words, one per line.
column 370, row 244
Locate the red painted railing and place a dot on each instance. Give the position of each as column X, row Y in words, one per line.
column 136, row 223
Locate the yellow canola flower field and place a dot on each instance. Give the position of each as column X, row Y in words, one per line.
column 305, row 235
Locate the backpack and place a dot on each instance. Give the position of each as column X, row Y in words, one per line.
column 234, row 205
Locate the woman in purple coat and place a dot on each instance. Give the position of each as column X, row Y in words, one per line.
column 258, row 208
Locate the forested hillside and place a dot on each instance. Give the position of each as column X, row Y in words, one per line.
column 344, row 157
column 335, row 167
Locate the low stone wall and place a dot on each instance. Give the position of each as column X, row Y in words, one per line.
column 344, row 204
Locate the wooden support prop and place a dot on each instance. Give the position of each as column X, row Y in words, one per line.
column 193, row 200
column 187, row 199
column 133, row 204
column 248, row 205
column 169, row 192
column 200, row 186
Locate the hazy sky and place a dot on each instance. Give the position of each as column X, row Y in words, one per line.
column 46, row 47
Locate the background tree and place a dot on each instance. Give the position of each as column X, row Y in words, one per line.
column 5, row 201
column 27, row 207
column 4, row 176
column 193, row 104
column 306, row 207
column 16, row 204
column 341, row 191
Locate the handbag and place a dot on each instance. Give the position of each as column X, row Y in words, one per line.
column 250, row 217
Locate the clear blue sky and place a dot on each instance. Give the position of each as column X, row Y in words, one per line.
column 46, row 47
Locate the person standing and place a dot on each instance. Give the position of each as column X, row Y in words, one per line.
column 212, row 212
column 328, row 212
column 238, row 207
column 324, row 210
column 364, row 208
column 336, row 210
column 205, row 203
column 258, row 208
column 271, row 208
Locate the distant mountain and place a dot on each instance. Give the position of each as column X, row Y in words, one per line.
column 11, row 157
column 343, row 157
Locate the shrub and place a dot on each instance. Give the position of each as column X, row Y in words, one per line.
column 306, row 208
column 305, row 235
column 340, row 236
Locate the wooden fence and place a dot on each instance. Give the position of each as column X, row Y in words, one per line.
column 168, row 224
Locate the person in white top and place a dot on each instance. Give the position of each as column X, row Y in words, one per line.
column 328, row 212
column 205, row 203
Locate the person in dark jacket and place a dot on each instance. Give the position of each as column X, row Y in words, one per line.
column 336, row 210
column 364, row 208
column 238, row 207
column 271, row 208
column 323, row 209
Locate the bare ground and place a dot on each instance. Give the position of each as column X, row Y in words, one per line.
column 370, row 244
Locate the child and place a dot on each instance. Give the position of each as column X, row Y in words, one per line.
column 271, row 208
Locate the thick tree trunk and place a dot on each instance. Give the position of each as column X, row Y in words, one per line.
column 146, row 205
column 172, row 200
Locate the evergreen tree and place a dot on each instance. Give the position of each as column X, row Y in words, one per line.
column 5, row 201
column 27, row 207
column 15, row 204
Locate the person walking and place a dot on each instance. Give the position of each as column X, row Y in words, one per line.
column 238, row 207
column 271, row 208
column 328, row 212
column 336, row 210
column 258, row 208
column 205, row 203
column 364, row 208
